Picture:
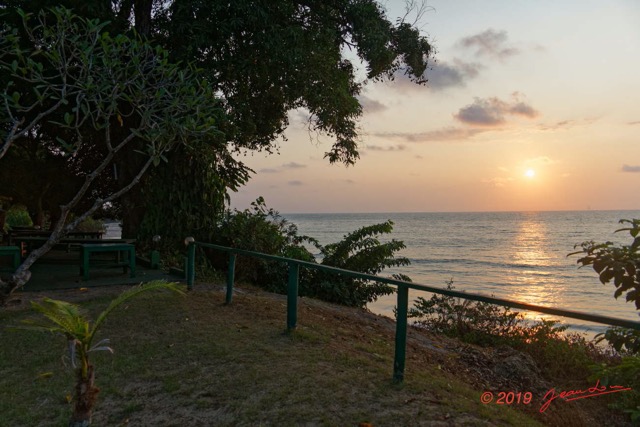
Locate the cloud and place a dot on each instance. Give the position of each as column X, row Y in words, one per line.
column 444, row 134
column 634, row 123
column 483, row 112
column 293, row 165
column 444, row 75
column 564, row 124
column 398, row 147
column 290, row 165
column 490, row 43
column 631, row 169
column 492, row 111
column 349, row 181
column 295, row 183
column 268, row 170
column 497, row 182
column 371, row 105
column 568, row 124
column 440, row 76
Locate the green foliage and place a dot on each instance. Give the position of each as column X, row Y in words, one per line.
column 360, row 251
column 261, row 229
column 627, row 374
column 188, row 198
column 106, row 104
column 17, row 216
column 264, row 58
column 620, row 264
column 269, row 57
column 625, row 341
column 91, row 224
column 560, row 355
column 472, row 321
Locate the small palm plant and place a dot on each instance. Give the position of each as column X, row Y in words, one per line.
column 70, row 320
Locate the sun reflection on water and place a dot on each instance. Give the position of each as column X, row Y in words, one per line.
column 531, row 259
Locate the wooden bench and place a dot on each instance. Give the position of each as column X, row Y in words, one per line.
column 12, row 251
column 118, row 248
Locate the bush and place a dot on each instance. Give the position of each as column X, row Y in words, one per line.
column 17, row 216
column 625, row 373
column 359, row 251
column 260, row 229
column 91, row 225
column 559, row 355
column 475, row 322
column 264, row 230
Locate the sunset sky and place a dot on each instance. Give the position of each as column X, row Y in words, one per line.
column 529, row 106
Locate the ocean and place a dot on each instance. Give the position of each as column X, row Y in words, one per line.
column 515, row 255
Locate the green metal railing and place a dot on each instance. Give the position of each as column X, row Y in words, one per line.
column 402, row 295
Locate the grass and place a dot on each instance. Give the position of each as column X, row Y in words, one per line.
column 193, row 361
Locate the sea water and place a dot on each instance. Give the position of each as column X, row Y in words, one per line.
column 520, row 256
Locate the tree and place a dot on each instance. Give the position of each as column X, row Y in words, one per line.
column 111, row 97
column 264, row 58
column 70, row 320
column 268, row 57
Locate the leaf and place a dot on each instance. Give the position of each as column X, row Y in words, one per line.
column 606, row 275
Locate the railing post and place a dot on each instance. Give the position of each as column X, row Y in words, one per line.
column 292, row 296
column 191, row 262
column 401, row 334
column 231, row 272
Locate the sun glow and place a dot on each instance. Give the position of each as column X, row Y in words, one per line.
column 530, row 173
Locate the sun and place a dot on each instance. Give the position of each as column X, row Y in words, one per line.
column 530, row 173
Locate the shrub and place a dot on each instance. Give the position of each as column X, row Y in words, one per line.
column 264, row 230
column 91, row 224
column 17, row 216
column 559, row 355
column 260, row 229
column 625, row 373
column 359, row 251
column 475, row 322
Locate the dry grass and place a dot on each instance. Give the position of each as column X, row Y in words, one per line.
column 193, row 361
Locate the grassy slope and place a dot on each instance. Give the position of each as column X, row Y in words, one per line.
column 192, row 361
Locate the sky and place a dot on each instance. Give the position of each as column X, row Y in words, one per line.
column 530, row 106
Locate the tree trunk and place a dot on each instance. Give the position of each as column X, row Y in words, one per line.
column 85, row 399
column 142, row 12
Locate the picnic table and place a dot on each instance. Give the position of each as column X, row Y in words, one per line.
column 13, row 252
column 29, row 243
column 128, row 260
column 21, row 233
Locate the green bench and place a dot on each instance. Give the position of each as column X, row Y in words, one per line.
column 119, row 248
column 12, row 251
